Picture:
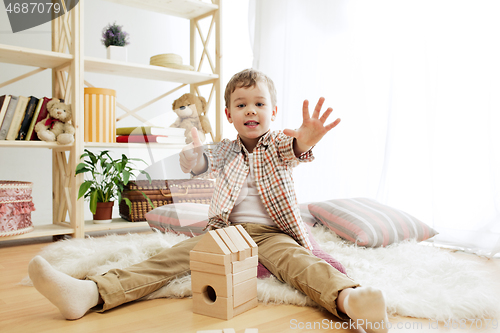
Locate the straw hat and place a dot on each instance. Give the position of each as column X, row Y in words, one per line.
column 170, row 60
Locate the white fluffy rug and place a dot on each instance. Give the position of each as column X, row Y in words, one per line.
column 418, row 281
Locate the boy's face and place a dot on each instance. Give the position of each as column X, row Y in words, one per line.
column 251, row 112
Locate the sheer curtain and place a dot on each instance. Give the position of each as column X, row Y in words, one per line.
column 417, row 86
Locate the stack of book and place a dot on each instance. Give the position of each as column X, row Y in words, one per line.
column 19, row 115
column 147, row 134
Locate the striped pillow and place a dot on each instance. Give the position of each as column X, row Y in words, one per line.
column 183, row 218
column 369, row 223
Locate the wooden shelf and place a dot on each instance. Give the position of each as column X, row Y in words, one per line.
column 33, row 144
column 117, row 223
column 31, row 57
column 42, row 231
column 188, row 9
column 68, row 70
column 140, row 71
column 102, row 145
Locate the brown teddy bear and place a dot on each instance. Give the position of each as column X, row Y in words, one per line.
column 191, row 111
column 56, row 126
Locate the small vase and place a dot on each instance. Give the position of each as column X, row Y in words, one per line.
column 118, row 53
column 104, row 212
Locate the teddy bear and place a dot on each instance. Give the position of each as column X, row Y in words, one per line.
column 56, row 126
column 191, row 112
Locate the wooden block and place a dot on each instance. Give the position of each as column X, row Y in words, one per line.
column 227, row 240
column 248, row 239
column 212, row 243
column 238, row 240
column 248, row 263
column 247, row 274
column 245, row 291
column 210, row 268
column 212, row 258
column 245, row 307
column 222, row 308
column 251, row 330
column 222, row 284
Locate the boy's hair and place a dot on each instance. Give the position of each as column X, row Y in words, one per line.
column 248, row 78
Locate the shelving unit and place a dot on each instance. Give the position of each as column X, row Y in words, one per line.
column 68, row 65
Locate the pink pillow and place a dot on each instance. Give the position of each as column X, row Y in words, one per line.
column 182, row 218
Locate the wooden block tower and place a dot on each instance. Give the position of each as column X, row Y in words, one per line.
column 224, row 273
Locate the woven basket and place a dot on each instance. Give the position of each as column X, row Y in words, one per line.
column 16, row 205
column 163, row 192
column 169, row 60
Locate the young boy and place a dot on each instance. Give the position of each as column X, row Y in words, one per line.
column 255, row 189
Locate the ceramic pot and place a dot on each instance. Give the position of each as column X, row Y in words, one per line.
column 104, row 212
column 118, row 53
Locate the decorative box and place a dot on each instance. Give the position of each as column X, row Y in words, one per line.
column 163, row 192
column 16, row 206
column 99, row 119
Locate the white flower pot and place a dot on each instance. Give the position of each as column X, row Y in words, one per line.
column 118, row 53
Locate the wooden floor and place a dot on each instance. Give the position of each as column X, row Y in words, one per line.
column 23, row 309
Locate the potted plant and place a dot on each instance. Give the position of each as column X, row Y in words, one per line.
column 115, row 40
column 108, row 178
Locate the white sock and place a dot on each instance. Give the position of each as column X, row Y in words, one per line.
column 366, row 306
column 73, row 297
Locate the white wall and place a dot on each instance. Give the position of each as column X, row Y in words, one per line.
column 150, row 34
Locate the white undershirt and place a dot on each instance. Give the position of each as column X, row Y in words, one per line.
column 249, row 206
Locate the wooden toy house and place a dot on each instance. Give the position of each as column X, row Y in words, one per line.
column 224, row 273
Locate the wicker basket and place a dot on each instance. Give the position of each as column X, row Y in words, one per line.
column 16, row 206
column 163, row 192
column 170, row 60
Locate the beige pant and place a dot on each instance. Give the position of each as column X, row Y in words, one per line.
column 278, row 252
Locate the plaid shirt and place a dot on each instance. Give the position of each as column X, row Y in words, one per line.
column 273, row 161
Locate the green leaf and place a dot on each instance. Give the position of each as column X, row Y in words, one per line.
column 92, row 157
column 147, row 175
column 128, row 202
column 84, row 188
column 93, row 202
column 107, row 169
column 149, row 200
column 81, row 168
column 126, row 176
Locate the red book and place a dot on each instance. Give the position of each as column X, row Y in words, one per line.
column 140, row 138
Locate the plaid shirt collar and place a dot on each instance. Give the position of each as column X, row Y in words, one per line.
column 265, row 140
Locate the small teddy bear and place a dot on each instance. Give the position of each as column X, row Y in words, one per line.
column 191, row 111
column 56, row 126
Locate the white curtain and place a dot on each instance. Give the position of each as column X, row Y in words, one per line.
column 417, row 86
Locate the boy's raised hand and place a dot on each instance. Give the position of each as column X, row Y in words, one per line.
column 313, row 127
column 191, row 156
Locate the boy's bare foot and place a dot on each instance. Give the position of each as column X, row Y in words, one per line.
column 366, row 306
column 73, row 297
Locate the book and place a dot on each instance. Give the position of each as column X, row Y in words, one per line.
column 8, row 117
column 4, row 104
column 140, row 138
column 33, row 120
column 25, row 124
column 42, row 114
column 151, row 130
column 15, row 125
